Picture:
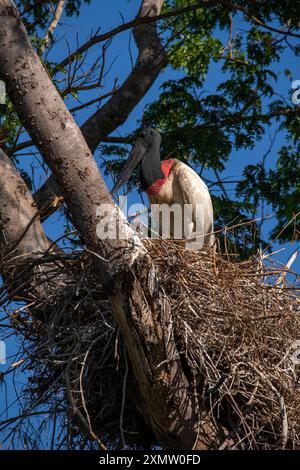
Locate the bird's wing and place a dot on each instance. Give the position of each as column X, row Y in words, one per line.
column 195, row 192
column 192, row 187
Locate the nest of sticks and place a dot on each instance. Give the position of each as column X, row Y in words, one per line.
column 236, row 326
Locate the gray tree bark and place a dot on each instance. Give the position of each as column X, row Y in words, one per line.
column 150, row 61
column 140, row 305
column 19, row 218
column 22, row 239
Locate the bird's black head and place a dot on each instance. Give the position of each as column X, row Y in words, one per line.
column 150, row 136
column 147, row 145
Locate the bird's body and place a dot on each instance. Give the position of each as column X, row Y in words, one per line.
column 174, row 184
column 184, row 187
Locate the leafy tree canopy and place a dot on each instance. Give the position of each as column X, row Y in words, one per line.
column 206, row 127
column 245, row 43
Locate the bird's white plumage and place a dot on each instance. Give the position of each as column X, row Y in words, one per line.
column 184, row 186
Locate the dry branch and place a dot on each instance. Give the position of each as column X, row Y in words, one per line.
column 234, row 331
column 56, row 17
column 150, row 61
column 121, row 265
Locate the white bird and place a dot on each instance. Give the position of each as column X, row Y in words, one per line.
column 171, row 182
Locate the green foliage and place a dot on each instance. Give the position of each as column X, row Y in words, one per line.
column 204, row 128
column 280, row 187
column 10, row 123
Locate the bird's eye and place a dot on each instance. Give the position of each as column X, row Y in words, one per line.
column 151, row 133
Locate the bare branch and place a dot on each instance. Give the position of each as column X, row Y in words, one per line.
column 151, row 59
column 259, row 22
column 57, row 15
column 122, row 265
column 144, row 17
column 95, row 100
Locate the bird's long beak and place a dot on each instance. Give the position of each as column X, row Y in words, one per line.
column 136, row 155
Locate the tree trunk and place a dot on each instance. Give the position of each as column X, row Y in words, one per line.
column 23, row 242
column 18, row 216
column 140, row 306
column 150, row 61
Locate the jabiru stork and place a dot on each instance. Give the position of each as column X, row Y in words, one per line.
column 170, row 182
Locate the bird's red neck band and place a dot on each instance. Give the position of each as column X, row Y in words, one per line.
column 155, row 187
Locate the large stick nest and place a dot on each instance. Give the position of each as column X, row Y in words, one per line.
column 235, row 327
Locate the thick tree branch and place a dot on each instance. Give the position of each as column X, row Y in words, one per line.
column 140, row 306
column 140, row 20
column 98, row 38
column 151, row 59
column 22, row 239
column 18, row 215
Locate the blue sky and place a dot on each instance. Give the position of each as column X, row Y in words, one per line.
column 106, row 15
